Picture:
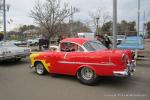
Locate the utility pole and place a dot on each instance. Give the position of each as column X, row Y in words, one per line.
column 97, row 26
column 114, row 24
column 1, row 5
column 138, row 26
column 4, row 19
column 71, row 21
column 144, row 24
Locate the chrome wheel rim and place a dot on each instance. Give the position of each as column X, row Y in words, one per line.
column 39, row 69
column 87, row 73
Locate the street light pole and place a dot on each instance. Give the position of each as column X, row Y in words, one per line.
column 114, row 23
column 138, row 26
column 4, row 19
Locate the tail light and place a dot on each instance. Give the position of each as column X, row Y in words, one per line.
column 124, row 58
column 133, row 54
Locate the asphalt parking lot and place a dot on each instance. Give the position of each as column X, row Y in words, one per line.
column 19, row 82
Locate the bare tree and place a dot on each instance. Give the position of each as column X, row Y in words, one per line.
column 100, row 17
column 51, row 14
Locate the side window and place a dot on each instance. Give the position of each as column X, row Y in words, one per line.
column 88, row 46
column 80, row 49
column 63, row 47
column 70, row 47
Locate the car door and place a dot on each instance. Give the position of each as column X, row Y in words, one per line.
column 64, row 61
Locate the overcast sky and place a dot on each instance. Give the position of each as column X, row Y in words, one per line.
column 127, row 10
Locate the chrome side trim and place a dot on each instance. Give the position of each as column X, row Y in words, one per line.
column 84, row 63
column 65, row 55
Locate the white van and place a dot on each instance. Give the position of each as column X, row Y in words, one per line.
column 86, row 35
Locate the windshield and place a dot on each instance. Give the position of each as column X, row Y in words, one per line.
column 94, row 46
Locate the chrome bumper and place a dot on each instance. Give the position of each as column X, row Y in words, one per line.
column 7, row 57
column 127, row 72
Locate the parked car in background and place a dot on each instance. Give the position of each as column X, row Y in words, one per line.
column 9, row 51
column 85, row 58
column 133, row 42
column 19, row 43
column 33, row 42
column 53, row 48
column 120, row 38
column 86, row 35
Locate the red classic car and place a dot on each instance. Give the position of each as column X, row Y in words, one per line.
column 85, row 58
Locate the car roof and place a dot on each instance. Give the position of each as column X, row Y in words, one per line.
column 80, row 41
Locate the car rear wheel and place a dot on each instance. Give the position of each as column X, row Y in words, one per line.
column 40, row 69
column 87, row 76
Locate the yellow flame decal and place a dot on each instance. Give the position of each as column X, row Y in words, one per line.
column 33, row 59
column 46, row 65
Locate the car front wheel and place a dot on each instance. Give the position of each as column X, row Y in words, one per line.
column 87, row 76
column 40, row 69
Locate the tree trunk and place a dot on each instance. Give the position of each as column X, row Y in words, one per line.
column 49, row 41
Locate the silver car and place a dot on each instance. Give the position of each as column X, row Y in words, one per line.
column 9, row 51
